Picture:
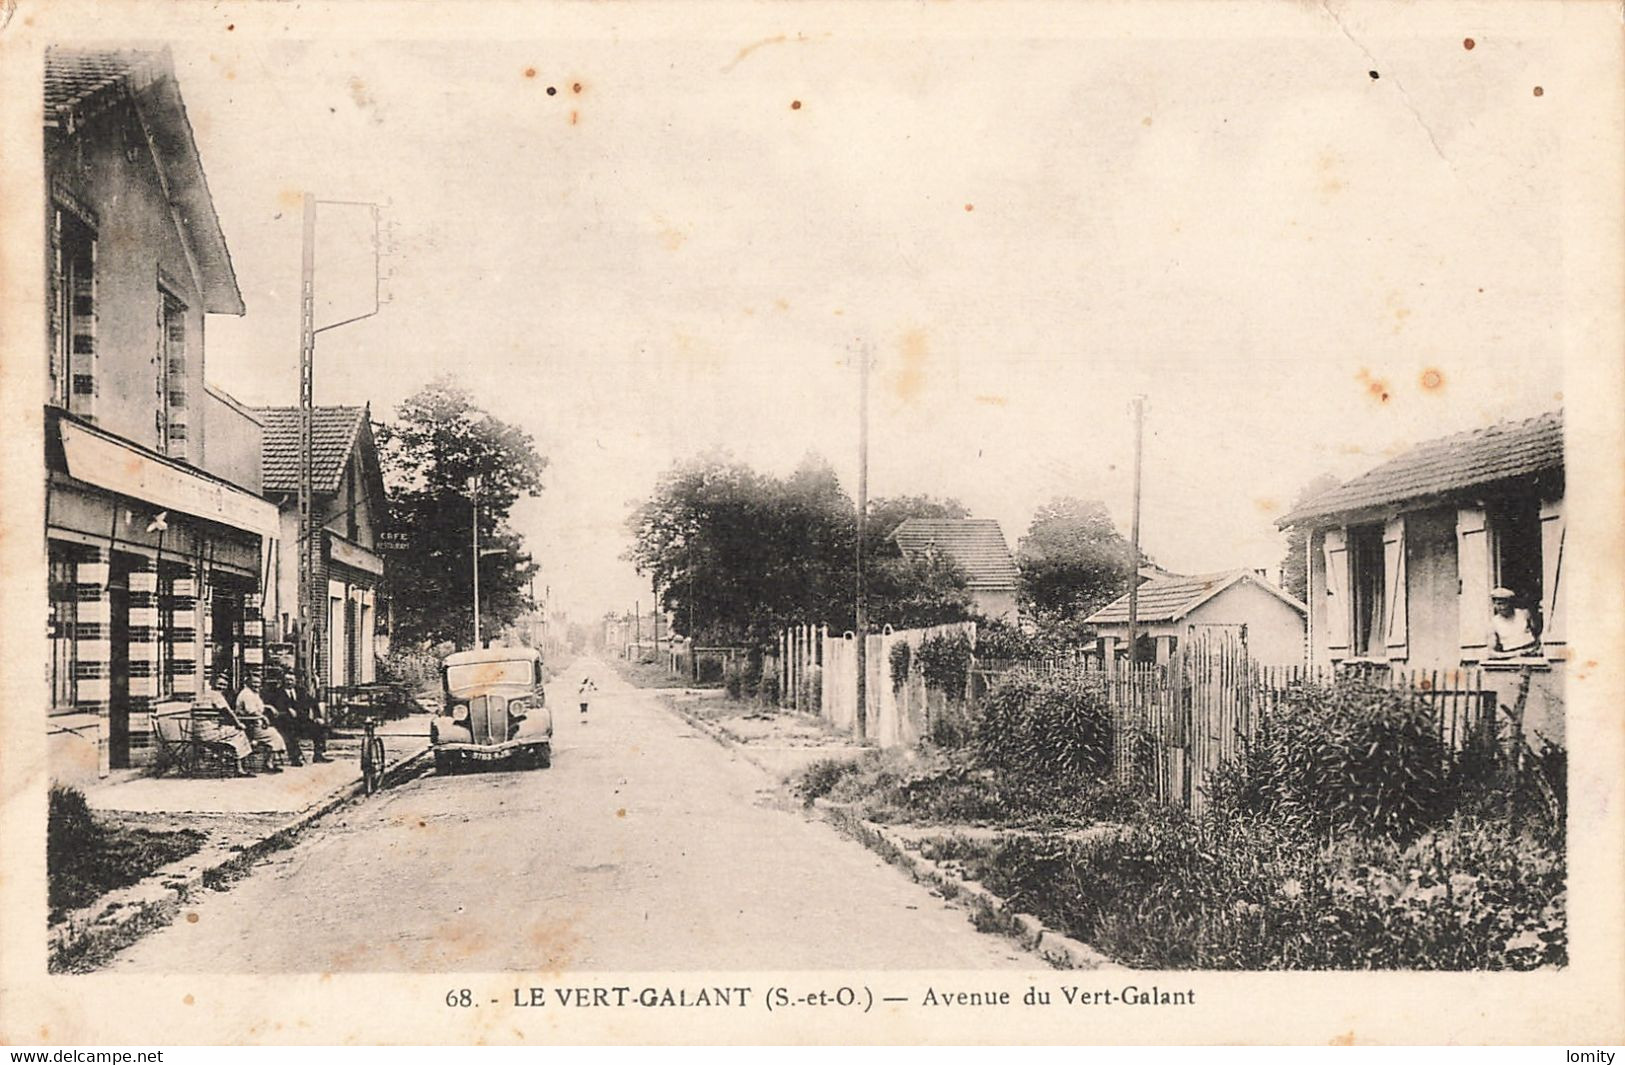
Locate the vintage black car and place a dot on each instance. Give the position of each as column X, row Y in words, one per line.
column 495, row 710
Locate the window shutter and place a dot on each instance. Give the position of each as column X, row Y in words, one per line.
column 1551, row 559
column 1473, row 580
column 1393, row 588
column 1338, row 597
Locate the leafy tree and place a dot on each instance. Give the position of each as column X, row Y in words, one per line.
column 913, row 593
column 1073, row 561
column 441, row 439
column 738, row 554
column 1294, row 574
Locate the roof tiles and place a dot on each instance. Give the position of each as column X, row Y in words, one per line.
column 976, row 544
column 1500, row 452
column 333, row 435
column 1171, row 598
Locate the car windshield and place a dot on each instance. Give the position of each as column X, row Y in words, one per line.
column 480, row 674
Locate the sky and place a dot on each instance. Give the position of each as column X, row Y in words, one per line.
column 1307, row 250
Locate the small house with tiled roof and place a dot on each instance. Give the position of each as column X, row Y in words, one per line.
column 347, row 487
column 978, row 547
column 1172, row 607
column 1403, row 561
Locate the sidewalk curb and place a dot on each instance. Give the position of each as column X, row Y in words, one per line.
column 120, row 917
column 1059, row 950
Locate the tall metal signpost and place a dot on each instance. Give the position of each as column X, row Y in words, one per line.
column 312, row 593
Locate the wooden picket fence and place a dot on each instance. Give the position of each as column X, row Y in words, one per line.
column 1173, row 725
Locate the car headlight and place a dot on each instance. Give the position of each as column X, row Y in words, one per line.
column 459, row 712
column 519, row 708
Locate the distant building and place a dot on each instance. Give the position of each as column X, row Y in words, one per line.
column 157, row 537
column 977, row 545
column 1404, row 561
column 350, row 507
column 1170, row 608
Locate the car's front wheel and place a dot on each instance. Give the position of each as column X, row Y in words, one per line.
column 544, row 757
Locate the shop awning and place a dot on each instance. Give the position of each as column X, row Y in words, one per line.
column 108, row 463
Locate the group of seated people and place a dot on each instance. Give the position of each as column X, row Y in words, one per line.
column 271, row 725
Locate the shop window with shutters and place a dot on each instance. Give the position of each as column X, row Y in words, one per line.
column 72, row 311
column 172, row 375
column 63, row 634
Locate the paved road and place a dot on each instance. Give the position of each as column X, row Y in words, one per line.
column 645, row 847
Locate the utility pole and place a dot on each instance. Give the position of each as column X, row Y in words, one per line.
column 310, row 596
column 1134, row 537
column 474, row 522
column 657, row 621
column 312, row 589
column 863, row 523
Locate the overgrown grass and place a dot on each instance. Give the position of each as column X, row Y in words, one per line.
column 1169, row 892
column 952, row 787
column 87, row 858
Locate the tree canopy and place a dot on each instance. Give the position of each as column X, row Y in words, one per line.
column 439, row 440
column 1073, row 561
column 737, row 554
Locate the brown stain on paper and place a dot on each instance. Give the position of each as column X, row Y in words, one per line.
column 911, row 374
column 1374, row 386
column 671, row 237
column 1432, row 380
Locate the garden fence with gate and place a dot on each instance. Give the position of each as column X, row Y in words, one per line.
column 1173, row 725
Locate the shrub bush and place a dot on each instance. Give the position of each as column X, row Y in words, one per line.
column 733, row 680
column 416, row 668
column 710, row 671
column 945, row 663
column 820, row 778
column 769, row 691
column 1056, row 726
column 1346, row 756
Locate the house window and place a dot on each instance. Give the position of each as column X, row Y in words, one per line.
column 172, row 418
column 73, row 310
column 1516, row 565
column 1365, row 564
column 1515, row 549
column 64, row 618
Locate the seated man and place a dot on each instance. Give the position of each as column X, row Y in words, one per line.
column 308, row 710
column 279, row 709
column 1512, row 629
column 221, row 726
column 251, row 712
